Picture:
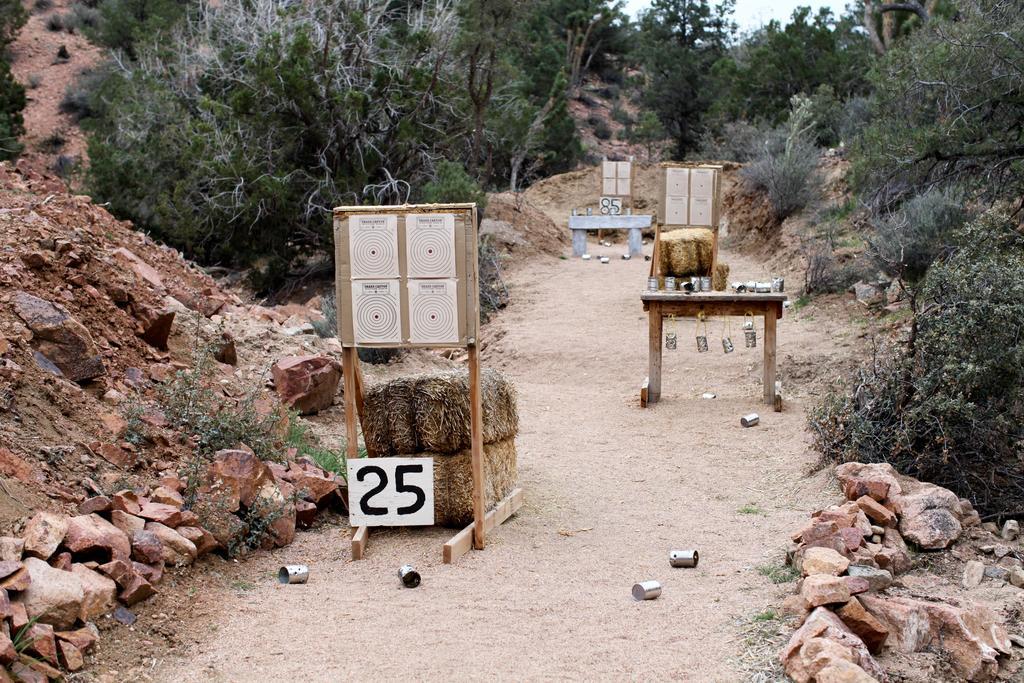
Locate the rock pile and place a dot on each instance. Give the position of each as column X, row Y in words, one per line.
column 847, row 600
column 67, row 570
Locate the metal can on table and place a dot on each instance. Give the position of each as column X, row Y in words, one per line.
column 670, row 283
column 705, row 284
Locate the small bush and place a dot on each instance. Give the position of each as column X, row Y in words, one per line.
column 737, row 141
column 451, row 184
column 53, row 142
column 64, row 165
column 77, row 99
column 788, row 176
column 907, row 241
column 305, row 442
column 602, row 131
column 855, row 118
column 84, row 17
column 43, row 5
column 620, row 115
column 947, row 406
column 12, row 123
column 55, row 22
column 34, row 81
column 328, row 327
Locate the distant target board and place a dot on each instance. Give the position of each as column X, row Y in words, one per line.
column 407, row 275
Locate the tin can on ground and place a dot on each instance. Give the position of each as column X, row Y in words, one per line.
column 409, row 576
column 683, row 558
column 293, row 573
column 750, row 420
column 646, row 590
column 705, row 284
column 670, row 283
column 585, row 257
column 605, row 259
column 708, row 395
column 625, row 257
column 652, row 284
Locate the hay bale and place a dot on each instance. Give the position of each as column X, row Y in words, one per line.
column 453, row 481
column 431, row 413
column 441, row 403
column 686, row 252
column 389, row 417
column 720, row 279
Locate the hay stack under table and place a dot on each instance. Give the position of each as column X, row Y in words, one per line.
column 429, row 416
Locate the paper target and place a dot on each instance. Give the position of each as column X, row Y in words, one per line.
column 430, row 245
column 376, row 312
column 433, row 312
column 373, row 246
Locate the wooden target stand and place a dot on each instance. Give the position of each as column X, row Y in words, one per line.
column 473, row 536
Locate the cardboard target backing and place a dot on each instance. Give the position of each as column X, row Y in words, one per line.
column 690, row 195
column 406, row 276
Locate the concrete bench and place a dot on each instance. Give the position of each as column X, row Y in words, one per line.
column 580, row 225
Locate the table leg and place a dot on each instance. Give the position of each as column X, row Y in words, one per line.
column 769, row 356
column 579, row 242
column 636, row 242
column 654, row 355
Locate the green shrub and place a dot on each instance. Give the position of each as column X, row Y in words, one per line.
column 12, row 124
column 905, row 242
column 452, row 185
column 740, row 141
column 948, row 405
column 622, row 116
column 602, row 131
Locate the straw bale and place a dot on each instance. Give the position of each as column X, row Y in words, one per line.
column 686, row 252
column 389, row 418
column 453, row 481
column 720, row 280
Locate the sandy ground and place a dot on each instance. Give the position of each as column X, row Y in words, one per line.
column 611, row 488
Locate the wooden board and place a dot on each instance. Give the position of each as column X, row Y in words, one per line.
column 462, row 542
column 391, row 492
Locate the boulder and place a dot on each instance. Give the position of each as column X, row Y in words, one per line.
column 156, row 324
column 99, row 592
column 127, row 523
column 893, row 555
column 857, row 584
column 973, row 637
column 62, row 561
column 974, row 572
column 824, row 589
column 822, row 623
column 861, row 622
column 146, row 547
column 168, row 515
column 1010, row 530
column 166, row 496
column 43, row 534
column 878, row 579
column 878, row 481
column 844, row 672
column 18, row 580
column 119, row 571
column 316, row 487
column 930, row 517
column 54, row 597
column 178, row 550
column 40, row 642
column 823, row 561
column 94, row 538
column 307, row 383
column 126, row 501
column 876, row 512
column 7, row 652
column 1016, row 577
column 236, row 476
column 13, row 465
column 820, row 653
column 202, row 539
column 12, row 548
column 59, row 337
column 153, row 573
column 95, row 504
column 136, row 590
column 305, row 513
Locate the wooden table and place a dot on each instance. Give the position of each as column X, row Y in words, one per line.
column 680, row 304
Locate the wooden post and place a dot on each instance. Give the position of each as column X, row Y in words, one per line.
column 477, row 434
column 579, row 242
column 349, row 368
column 769, row 354
column 654, row 354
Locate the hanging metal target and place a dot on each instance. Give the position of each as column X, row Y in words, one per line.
column 727, row 345
column 671, row 338
column 749, row 333
column 702, row 339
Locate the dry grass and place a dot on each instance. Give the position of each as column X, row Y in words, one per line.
column 686, row 252
column 453, row 481
column 761, row 637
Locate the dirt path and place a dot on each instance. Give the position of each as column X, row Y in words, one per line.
column 610, row 490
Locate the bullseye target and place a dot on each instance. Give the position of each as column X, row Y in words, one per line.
column 433, row 312
column 373, row 246
column 376, row 312
column 430, row 245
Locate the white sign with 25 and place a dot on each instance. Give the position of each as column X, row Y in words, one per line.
column 391, row 491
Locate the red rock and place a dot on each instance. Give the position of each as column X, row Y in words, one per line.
column 116, row 455
column 19, row 617
column 168, row 515
column 237, row 475
column 844, row 672
column 189, row 518
column 44, row 533
column 99, row 592
column 137, row 590
column 172, row 483
column 894, row 555
column 876, row 512
column 820, row 653
column 857, row 584
column 823, row 561
column 62, row 561
column 70, row 656
column 156, row 324
column 12, row 548
column 146, row 547
column 30, row 670
column 5, row 605
column 119, row 571
column 307, row 383
column 40, row 641
column 972, row 637
column 141, row 268
column 166, row 496
column 54, row 596
column 59, row 337
column 824, row 589
column 129, row 524
column 823, row 623
column 226, row 352
column 83, row 638
column 877, row 480
column 929, row 517
column 7, row 652
column 95, row 504
column 852, row 537
column 305, row 513
column 18, row 581
column 178, row 550
column 311, row 486
column 126, row 501
column 861, row 622
column 12, row 465
column 92, row 537
column 202, row 539
column 9, row 567
column 153, row 573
